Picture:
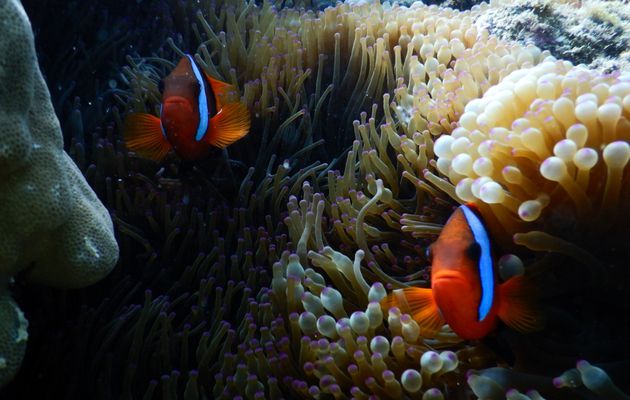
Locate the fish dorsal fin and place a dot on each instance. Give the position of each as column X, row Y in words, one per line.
column 144, row 135
column 220, row 90
column 486, row 272
column 202, row 100
column 517, row 305
column 420, row 305
column 231, row 123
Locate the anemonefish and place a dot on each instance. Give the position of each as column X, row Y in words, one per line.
column 193, row 117
column 465, row 292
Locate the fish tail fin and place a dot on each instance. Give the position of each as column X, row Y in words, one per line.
column 143, row 134
column 420, row 305
column 518, row 305
column 231, row 123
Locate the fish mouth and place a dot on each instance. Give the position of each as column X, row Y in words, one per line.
column 176, row 100
column 446, row 276
column 176, row 108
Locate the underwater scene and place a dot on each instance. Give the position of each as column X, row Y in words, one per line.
column 310, row 199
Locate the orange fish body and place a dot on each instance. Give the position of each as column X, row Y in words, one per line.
column 465, row 292
column 193, row 117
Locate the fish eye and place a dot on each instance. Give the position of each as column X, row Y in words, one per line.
column 474, row 251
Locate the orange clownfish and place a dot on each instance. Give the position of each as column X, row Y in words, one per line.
column 465, row 292
column 192, row 118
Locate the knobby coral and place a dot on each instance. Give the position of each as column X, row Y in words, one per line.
column 54, row 230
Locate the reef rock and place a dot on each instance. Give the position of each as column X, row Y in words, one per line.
column 594, row 33
column 53, row 229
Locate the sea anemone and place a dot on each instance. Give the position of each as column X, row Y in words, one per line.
column 430, row 62
column 341, row 338
column 546, row 140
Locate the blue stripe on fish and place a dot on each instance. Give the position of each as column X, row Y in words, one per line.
column 485, row 261
column 203, row 101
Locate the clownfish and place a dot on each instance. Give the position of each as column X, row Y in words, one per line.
column 465, row 292
column 193, row 117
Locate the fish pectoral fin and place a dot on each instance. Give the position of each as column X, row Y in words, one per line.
column 517, row 305
column 231, row 123
column 143, row 135
column 420, row 305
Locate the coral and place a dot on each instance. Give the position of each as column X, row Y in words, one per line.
column 13, row 336
column 54, row 230
column 591, row 32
